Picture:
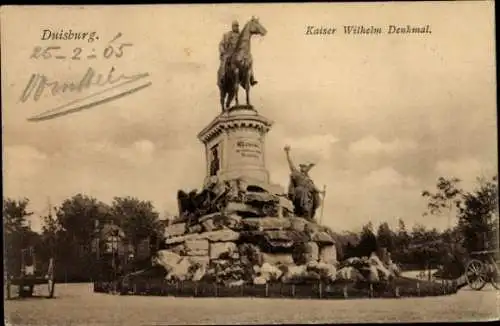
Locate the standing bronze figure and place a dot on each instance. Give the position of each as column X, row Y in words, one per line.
column 302, row 191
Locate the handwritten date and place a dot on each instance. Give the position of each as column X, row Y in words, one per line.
column 113, row 49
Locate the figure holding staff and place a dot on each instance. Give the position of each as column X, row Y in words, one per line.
column 302, row 191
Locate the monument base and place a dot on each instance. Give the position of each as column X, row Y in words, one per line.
column 240, row 107
column 251, row 184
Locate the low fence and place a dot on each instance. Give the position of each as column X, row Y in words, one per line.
column 278, row 290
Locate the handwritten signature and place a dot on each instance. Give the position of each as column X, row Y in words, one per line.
column 39, row 85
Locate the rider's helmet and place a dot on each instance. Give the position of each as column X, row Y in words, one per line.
column 235, row 26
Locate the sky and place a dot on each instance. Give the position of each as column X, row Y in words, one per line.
column 381, row 116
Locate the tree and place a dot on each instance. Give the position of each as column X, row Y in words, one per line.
column 385, row 237
column 477, row 212
column 445, row 198
column 15, row 215
column 478, row 216
column 138, row 219
column 426, row 247
column 77, row 216
column 346, row 242
column 368, row 227
column 17, row 233
column 401, row 243
column 403, row 238
column 75, row 219
column 448, row 196
column 455, row 257
column 51, row 233
column 418, row 234
column 368, row 242
column 349, row 251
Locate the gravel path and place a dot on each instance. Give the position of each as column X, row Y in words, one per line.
column 76, row 304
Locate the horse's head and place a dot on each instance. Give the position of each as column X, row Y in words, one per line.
column 255, row 27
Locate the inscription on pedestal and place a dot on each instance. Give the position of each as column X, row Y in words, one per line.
column 249, row 150
column 240, row 139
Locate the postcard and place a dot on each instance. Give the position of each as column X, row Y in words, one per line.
column 250, row 163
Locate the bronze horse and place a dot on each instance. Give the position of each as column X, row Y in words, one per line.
column 239, row 66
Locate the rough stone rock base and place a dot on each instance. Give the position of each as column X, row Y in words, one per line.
column 277, row 259
column 328, row 254
column 196, row 247
column 222, row 249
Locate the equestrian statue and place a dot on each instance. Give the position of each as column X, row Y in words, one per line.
column 236, row 64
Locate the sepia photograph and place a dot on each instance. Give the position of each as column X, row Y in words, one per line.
column 270, row 163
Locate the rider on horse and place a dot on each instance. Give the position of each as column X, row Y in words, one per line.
column 226, row 49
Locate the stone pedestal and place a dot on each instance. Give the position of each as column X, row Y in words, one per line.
column 235, row 147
